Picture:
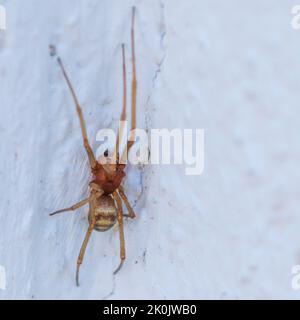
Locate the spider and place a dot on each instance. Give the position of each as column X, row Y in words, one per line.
column 106, row 192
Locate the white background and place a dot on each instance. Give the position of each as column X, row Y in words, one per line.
column 229, row 67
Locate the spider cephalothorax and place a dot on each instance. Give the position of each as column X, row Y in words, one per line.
column 106, row 192
column 109, row 177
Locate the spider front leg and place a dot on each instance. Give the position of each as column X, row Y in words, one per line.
column 116, row 155
column 133, row 84
column 86, row 144
column 121, row 231
column 131, row 141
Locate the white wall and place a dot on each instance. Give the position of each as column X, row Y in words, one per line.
column 230, row 67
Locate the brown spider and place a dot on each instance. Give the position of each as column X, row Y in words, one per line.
column 106, row 191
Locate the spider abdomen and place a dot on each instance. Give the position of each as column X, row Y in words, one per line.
column 105, row 213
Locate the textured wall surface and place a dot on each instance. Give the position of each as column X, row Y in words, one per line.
column 229, row 67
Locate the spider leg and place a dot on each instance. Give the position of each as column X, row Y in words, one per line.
column 131, row 213
column 116, row 155
column 79, row 204
column 133, row 88
column 134, row 81
column 74, row 207
column 86, row 144
column 121, row 231
column 83, row 248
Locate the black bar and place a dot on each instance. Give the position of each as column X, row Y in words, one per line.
column 147, row 309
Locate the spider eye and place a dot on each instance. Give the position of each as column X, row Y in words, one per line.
column 106, row 153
